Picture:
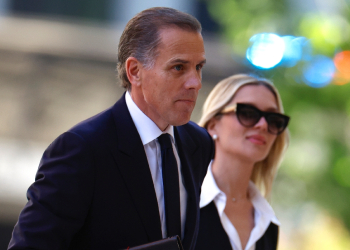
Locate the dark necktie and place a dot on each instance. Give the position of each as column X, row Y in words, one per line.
column 171, row 187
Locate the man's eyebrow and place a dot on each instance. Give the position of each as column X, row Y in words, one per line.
column 184, row 61
column 203, row 62
column 178, row 61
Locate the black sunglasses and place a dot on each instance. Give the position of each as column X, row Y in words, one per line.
column 249, row 115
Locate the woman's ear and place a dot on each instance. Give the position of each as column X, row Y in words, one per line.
column 212, row 126
column 133, row 71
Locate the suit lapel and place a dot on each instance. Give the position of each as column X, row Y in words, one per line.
column 187, row 150
column 132, row 163
column 269, row 240
column 211, row 235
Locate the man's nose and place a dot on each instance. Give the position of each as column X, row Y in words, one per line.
column 194, row 80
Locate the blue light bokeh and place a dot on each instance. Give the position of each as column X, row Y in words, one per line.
column 319, row 71
column 297, row 48
column 266, row 50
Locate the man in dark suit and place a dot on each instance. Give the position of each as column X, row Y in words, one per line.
column 100, row 184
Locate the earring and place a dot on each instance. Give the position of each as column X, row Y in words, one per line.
column 215, row 137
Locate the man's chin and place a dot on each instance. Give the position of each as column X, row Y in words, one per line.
column 181, row 119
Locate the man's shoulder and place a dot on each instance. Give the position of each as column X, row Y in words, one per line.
column 95, row 124
column 200, row 145
column 193, row 129
column 196, row 133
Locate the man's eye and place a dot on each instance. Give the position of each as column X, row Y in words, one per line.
column 178, row 67
column 199, row 67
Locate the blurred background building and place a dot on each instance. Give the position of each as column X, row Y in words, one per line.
column 57, row 67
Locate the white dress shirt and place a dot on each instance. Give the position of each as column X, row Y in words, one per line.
column 149, row 132
column 263, row 212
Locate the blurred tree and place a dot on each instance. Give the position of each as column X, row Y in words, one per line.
column 317, row 165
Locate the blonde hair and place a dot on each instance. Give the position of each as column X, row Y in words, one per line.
column 264, row 172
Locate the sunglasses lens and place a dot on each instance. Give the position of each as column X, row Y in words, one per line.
column 247, row 116
column 277, row 123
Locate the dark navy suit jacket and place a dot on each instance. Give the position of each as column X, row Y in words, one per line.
column 94, row 189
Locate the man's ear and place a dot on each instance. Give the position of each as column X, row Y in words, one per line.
column 133, row 67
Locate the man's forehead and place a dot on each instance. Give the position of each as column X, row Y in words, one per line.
column 174, row 34
column 181, row 42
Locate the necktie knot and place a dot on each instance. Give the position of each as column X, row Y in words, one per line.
column 165, row 140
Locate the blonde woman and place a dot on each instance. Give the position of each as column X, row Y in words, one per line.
column 244, row 116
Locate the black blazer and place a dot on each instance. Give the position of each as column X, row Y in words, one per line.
column 94, row 189
column 213, row 236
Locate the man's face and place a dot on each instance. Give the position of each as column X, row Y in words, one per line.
column 167, row 92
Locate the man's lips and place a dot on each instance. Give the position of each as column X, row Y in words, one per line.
column 186, row 100
column 257, row 139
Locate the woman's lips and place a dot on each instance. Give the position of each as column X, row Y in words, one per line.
column 257, row 139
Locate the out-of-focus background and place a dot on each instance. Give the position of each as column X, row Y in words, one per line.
column 57, row 67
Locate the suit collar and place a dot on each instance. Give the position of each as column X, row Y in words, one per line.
column 132, row 163
column 186, row 144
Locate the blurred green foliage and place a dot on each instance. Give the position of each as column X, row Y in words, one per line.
column 317, row 165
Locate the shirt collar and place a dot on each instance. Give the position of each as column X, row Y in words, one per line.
column 209, row 188
column 211, row 192
column 261, row 205
column 146, row 128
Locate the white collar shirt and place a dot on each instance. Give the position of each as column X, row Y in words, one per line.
column 263, row 212
column 149, row 132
